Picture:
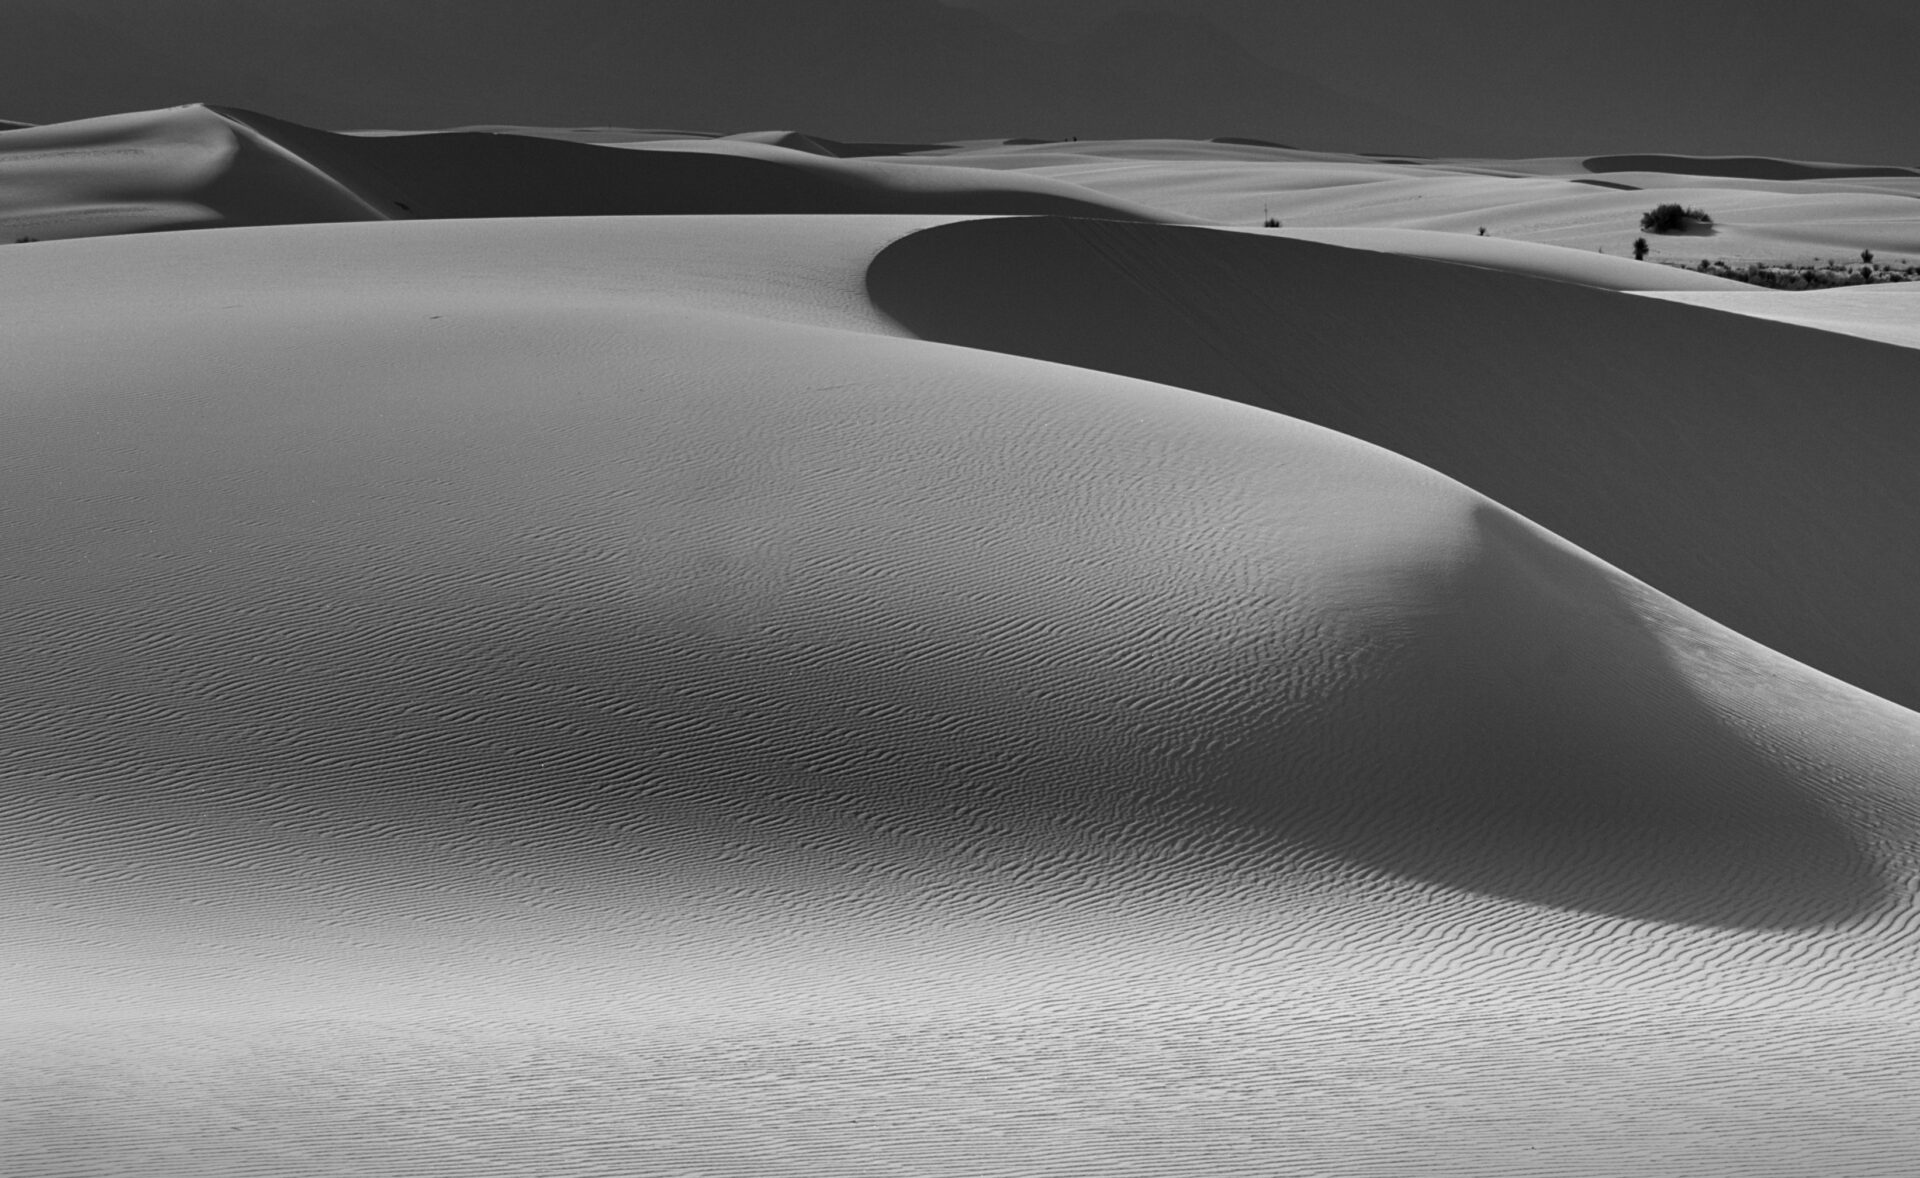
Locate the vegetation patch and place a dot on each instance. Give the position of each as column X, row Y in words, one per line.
column 1673, row 218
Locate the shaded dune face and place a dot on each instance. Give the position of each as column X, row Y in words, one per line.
column 1760, row 474
column 1557, row 754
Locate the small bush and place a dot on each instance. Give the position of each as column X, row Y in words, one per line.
column 1673, row 218
column 1639, row 249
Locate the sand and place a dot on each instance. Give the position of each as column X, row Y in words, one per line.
column 901, row 690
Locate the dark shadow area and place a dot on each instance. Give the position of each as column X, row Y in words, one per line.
column 1761, row 473
column 1238, row 141
column 1739, row 167
column 1533, row 741
column 1610, row 184
column 1693, row 229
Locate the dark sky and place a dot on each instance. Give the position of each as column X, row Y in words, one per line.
column 1837, row 80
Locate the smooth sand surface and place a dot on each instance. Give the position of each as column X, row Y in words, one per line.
column 872, row 694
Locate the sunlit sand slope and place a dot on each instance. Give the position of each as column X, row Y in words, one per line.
column 1761, row 473
column 592, row 698
column 1889, row 313
column 205, row 167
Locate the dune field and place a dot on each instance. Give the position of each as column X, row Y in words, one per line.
column 608, row 651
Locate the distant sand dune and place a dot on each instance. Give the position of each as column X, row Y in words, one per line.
column 203, row 167
column 1743, row 167
column 171, row 169
column 1600, row 271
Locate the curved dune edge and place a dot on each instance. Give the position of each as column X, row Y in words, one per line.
column 1757, row 472
column 205, row 167
column 639, row 714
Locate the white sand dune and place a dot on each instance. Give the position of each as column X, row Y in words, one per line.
column 205, row 167
column 1753, row 471
column 633, row 695
column 169, row 169
column 1764, row 210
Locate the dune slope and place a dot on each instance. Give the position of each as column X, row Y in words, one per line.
column 592, row 697
column 1758, row 472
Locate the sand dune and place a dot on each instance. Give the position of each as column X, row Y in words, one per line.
column 1744, row 167
column 863, row 693
column 204, row 167
column 1551, row 201
column 1748, row 470
column 170, row 169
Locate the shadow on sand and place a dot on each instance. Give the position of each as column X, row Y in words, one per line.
column 1553, row 754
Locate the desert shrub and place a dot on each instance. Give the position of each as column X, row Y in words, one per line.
column 1673, row 218
column 1866, row 256
column 1271, row 223
column 1639, row 249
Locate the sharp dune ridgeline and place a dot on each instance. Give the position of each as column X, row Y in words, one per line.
column 609, row 651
